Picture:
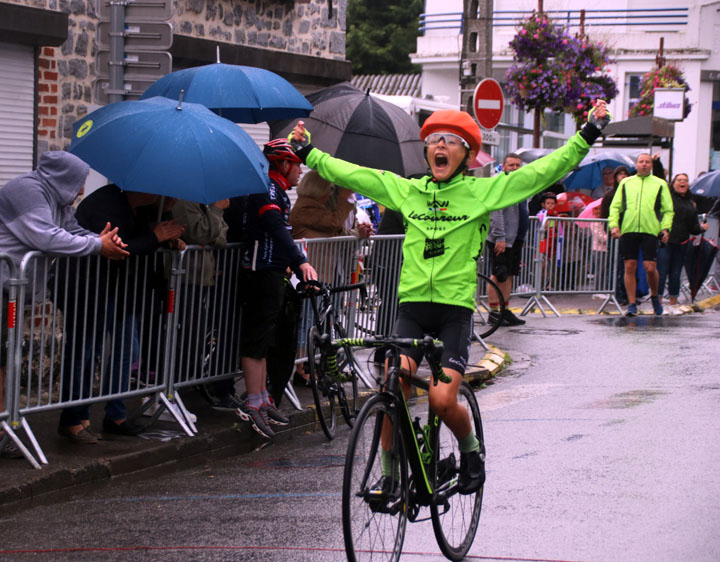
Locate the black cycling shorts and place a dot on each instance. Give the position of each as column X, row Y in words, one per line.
column 262, row 297
column 507, row 263
column 632, row 242
column 449, row 323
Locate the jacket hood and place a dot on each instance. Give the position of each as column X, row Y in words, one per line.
column 63, row 173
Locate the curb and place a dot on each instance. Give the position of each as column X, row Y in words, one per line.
column 56, row 482
column 700, row 306
column 487, row 367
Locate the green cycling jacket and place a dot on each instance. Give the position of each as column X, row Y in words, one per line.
column 447, row 222
column 644, row 197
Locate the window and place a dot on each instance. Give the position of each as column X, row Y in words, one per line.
column 632, row 90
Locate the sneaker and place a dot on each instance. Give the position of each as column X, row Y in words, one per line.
column 472, row 472
column 631, row 310
column 229, row 403
column 274, row 415
column 257, row 417
column 657, row 306
column 511, row 319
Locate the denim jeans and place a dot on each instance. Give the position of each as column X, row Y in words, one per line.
column 80, row 358
column 670, row 261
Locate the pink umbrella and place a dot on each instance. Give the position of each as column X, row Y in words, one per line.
column 587, row 213
column 482, row 159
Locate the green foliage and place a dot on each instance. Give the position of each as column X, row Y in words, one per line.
column 382, row 34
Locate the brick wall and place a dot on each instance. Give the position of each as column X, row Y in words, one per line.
column 47, row 96
column 66, row 73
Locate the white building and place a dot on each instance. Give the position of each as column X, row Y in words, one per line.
column 633, row 28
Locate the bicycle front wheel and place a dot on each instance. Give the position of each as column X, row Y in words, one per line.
column 455, row 522
column 374, row 525
column 321, row 384
column 489, row 307
column 347, row 392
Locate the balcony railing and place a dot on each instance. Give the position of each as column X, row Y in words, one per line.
column 664, row 17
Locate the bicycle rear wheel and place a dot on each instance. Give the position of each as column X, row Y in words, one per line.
column 321, row 383
column 489, row 306
column 456, row 521
column 347, row 392
column 374, row 529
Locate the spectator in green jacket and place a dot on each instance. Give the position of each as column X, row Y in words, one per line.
column 641, row 212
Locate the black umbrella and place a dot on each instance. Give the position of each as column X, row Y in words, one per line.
column 698, row 260
column 362, row 129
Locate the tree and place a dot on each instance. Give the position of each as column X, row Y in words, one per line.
column 382, row 34
column 557, row 71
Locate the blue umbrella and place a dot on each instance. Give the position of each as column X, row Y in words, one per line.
column 242, row 94
column 170, row 148
column 707, row 184
column 588, row 174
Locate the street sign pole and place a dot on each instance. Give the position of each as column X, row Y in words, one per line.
column 117, row 51
column 131, row 38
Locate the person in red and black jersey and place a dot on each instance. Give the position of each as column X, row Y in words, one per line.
column 269, row 251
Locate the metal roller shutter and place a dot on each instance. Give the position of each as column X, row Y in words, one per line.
column 17, row 100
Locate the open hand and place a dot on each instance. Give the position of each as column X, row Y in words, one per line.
column 112, row 246
column 168, row 230
column 308, row 272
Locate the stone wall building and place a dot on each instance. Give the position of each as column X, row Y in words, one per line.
column 48, row 55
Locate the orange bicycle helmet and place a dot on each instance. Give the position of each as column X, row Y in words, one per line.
column 453, row 121
column 280, row 149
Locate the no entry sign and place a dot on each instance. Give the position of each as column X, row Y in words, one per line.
column 488, row 103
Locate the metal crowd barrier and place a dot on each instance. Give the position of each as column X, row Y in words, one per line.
column 565, row 255
column 91, row 331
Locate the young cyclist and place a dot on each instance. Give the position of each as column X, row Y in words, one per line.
column 447, row 215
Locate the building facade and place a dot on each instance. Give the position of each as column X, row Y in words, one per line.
column 48, row 54
column 690, row 33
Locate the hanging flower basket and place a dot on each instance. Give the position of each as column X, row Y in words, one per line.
column 668, row 76
column 557, row 71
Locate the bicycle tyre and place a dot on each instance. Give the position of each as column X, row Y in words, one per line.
column 456, row 523
column 348, row 366
column 320, row 383
column 486, row 323
column 373, row 531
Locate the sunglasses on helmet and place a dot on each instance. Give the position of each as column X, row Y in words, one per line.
column 450, row 139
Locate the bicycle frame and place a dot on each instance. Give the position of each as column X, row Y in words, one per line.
column 422, row 471
column 419, row 469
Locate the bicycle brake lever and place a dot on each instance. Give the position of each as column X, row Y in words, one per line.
column 363, row 298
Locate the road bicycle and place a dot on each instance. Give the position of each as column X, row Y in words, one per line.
column 425, row 463
column 334, row 371
column 488, row 299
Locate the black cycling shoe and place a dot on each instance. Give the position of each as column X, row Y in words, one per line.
column 510, row 319
column 472, row 472
column 384, row 490
column 495, row 318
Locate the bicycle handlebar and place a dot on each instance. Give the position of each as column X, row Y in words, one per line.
column 433, row 350
column 311, row 288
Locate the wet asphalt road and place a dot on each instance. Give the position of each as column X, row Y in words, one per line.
column 603, row 443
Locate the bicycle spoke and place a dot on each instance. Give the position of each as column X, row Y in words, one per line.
column 374, row 527
column 455, row 523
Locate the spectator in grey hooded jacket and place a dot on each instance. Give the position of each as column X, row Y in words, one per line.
column 36, row 214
